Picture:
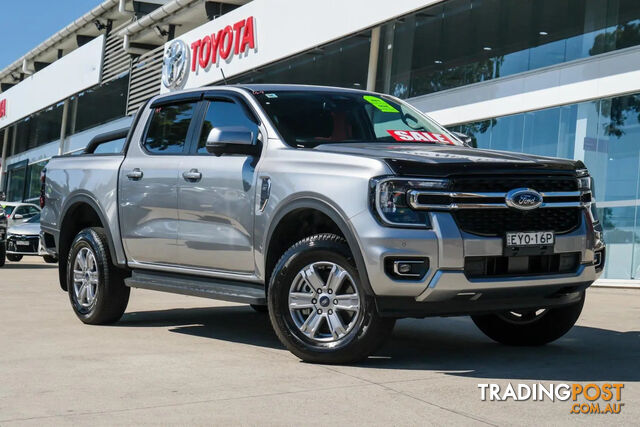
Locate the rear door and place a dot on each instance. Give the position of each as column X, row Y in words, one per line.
column 148, row 192
column 216, row 208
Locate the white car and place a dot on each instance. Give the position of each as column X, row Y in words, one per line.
column 24, row 240
column 18, row 212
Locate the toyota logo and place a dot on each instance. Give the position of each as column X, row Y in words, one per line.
column 175, row 65
column 524, row 199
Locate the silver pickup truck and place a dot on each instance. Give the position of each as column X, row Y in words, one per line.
column 335, row 210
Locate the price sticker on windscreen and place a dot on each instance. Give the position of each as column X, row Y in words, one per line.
column 380, row 104
column 420, row 136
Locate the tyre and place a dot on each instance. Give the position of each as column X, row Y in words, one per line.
column 96, row 287
column 50, row 259
column 260, row 308
column 318, row 306
column 530, row 327
column 14, row 258
column 3, row 253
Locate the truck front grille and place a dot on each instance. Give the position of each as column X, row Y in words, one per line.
column 495, row 222
column 504, row 183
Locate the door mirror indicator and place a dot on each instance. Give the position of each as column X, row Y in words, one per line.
column 232, row 140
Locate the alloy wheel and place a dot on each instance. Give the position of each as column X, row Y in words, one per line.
column 324, row 302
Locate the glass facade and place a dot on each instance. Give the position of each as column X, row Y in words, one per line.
column 605, row 134
column 343, row 63
column 87, row 109
column 459, row 42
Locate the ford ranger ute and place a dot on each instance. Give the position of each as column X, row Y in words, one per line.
column 338, row 211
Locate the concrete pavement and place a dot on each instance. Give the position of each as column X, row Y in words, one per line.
column 183, row 360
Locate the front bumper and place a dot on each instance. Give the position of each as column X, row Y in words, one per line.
column 34, row 247
column 445, row 289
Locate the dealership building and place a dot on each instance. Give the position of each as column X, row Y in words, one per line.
column 548, row 77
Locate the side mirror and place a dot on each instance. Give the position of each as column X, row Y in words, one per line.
column 232, row 140
column 18, row 216
column 466, row 139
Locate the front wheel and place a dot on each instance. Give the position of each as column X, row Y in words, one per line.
column 530, row 327
column 96, row 287
column 318, row 306
column 14, row 258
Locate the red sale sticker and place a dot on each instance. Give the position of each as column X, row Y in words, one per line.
column 420, row 136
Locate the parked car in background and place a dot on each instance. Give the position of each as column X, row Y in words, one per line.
column 3, row 236
column 18, row 212
column 24, row 240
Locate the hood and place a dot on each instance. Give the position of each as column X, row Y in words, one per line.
column 25, row 229
column 444, row 160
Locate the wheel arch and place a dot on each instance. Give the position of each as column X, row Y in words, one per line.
column 79, row 212
column 325, row 208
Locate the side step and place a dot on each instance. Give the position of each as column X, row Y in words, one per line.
column 225, row 290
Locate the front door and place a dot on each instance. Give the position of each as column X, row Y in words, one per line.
column 216, row 197
column 148, row 185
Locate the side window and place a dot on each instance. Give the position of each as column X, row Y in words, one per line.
column 21, row 210
column 111, row 147
column 33, row 210
column 167, row 133
column 223, row 113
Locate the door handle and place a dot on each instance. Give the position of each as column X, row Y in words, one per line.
column 135, row 174
column 192, row 175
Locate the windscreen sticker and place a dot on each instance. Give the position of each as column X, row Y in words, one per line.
column 380, row 104
column 419, row 136
column 271, row 95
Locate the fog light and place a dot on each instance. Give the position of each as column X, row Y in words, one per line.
column 598, row 260
column 406, row 268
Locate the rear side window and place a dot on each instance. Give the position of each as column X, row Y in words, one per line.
column 222, row 113
column 111, row 147
column 167, row 133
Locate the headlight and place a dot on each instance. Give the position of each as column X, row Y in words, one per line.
column 389, row 200
column 584, row 180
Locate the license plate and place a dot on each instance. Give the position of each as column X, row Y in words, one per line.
column 22, row 243
column 523, row 239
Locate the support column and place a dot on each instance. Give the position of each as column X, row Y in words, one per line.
column 5, row 148
column 63, row 127
column 373, row 59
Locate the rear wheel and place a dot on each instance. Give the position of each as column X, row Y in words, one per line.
column 14, row 258
column 96, row 287
column 530, row 327
column 318, row 306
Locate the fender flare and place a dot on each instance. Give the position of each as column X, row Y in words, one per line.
column 86, row 198
column 337, row 216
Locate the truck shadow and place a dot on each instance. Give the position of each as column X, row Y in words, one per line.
column 453, row 346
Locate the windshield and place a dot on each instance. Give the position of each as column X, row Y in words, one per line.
column 306, row 119
column 8, row 209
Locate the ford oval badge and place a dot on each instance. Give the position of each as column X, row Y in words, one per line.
column 524, row 199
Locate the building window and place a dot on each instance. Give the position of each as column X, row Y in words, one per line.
column 38, row 129
column 16, row 178
column 33, row 182
column 460, row 42
column 98, row 105
column 605, row 135
column 343, row 63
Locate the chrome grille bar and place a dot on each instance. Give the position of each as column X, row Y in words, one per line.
column 413, row 200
